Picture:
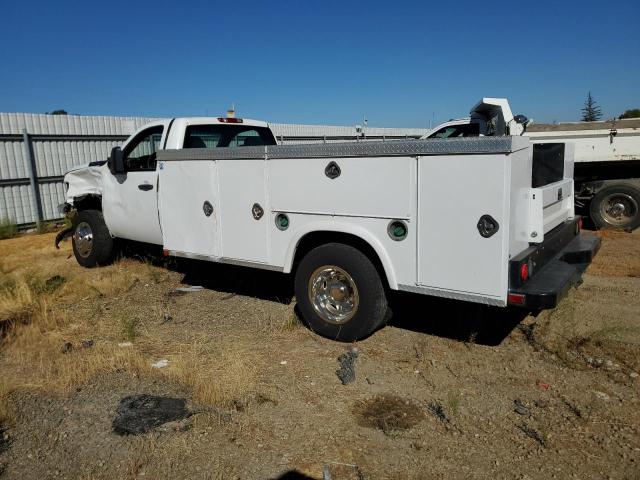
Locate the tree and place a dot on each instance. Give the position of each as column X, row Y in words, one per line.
column 591, row 111
column 57, row 112
column 631, row 113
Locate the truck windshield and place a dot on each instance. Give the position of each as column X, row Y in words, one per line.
column 453, row 131
column 213, row 136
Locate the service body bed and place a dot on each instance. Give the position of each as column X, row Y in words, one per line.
column 221, row 205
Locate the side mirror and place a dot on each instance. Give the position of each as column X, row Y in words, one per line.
column 116, row 161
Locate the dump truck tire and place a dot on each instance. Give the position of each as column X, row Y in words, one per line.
column 616, row 207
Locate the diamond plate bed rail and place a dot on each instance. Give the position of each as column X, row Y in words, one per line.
column 454, row 146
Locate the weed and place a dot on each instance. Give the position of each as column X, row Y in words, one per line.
column 453, row 402
column 128, row 328
column 8, row 228
column 437, row 410
column 291, row 322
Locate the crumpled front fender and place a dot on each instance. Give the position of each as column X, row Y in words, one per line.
column 83, row 181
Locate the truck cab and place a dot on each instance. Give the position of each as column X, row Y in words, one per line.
column 125, row 187
column 488, row 117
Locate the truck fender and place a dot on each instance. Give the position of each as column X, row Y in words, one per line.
column 594, row 186
column 346, row 228
column 82, row 182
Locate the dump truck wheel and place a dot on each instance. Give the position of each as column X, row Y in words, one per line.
column 92, row 242
column 616, row 207
column 340, row 293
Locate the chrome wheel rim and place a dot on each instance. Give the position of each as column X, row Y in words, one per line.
column 618, row 209
column 83, row 239
column 333, row 294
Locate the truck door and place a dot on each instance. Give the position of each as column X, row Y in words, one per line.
column 130, row 200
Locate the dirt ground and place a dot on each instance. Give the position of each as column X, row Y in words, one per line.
column 447, row 390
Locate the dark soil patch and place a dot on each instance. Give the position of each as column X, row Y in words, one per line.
column 388, row 413
column 138, row 414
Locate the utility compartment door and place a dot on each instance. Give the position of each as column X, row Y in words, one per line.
column 188, row 191
column 242, row 186
column 454, row 192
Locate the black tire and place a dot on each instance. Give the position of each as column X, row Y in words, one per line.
column 605, row 215
column 371, row 307
column 99, row 249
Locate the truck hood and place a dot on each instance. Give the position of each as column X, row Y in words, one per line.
column 84, row 180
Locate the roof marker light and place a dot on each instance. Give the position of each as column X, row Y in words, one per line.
column 229, row 120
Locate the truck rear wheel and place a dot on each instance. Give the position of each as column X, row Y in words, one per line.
column 340, row 293
column 616, row 207
column 92, row 242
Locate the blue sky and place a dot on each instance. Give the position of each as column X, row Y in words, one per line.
column 333, row 62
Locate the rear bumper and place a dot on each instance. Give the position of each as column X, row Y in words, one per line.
column 556, row 264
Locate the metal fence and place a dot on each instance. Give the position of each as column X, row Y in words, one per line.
column 37, row 150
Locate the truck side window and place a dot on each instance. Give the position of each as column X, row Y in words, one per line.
column 453, row 131
column 212, row 136
column 140, row 154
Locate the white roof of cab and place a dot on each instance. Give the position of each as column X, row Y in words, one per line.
column 214, row 120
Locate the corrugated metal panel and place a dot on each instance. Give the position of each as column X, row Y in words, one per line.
column 40, row 124
column 299, row 130
column 58, row 157
column 16, row 203
column 12, row 161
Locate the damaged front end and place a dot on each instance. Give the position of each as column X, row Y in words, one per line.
column 83, row 187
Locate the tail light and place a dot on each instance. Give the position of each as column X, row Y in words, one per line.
column 524, row 271
column 229, row 120
column 516, row 298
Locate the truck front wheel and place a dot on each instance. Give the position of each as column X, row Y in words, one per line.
column 92, row 242
column 340, row 293
column 616, row 207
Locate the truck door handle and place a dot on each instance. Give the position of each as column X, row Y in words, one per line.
column 145, row 186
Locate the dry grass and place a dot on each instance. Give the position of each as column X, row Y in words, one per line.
column 619, row 255
column 38, row 288
column 230, row 377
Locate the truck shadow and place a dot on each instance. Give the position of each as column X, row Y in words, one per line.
column 232, row 279
column 250, row 282
column 453, row 319
column 457, row 320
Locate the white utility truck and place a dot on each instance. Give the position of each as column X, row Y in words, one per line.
column 606, row 156
column 452, row 218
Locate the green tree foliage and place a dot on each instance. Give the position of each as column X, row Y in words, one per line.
column 58, row 112
column 591, row 111
column 631, row 113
